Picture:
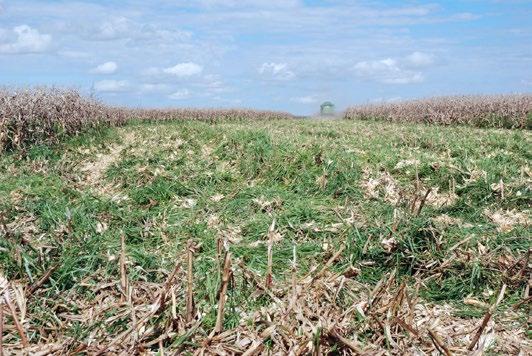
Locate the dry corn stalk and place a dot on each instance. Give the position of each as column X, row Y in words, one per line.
column 226, row 276
column 269, row 277
column 190, row 281
column 123, row 271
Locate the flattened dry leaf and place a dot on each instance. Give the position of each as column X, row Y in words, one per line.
column 119, row 197
column 217, row 197
column 481, row 248
column 276, row 236
column 101, row 227
column 406, row 163
column 267, row 205
column 384, row 187
column 475, row 175
column 476, row 303
column 321, row 181
column 445, row 220
column 389, row 244
column 213, row 221
column 232, row 234
column 16, row 196
column 4, row 283
column 333, row 227
column 441, row 200
column 207, row 151
column 314, row 227
column 188, row 203
column 507, row 220
column 257, row 243
column 496, row 187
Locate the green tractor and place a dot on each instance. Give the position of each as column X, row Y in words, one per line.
column 327, row 109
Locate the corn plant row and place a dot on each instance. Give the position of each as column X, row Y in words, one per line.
column 46, row 115
column 210, row 115
column 500, row 111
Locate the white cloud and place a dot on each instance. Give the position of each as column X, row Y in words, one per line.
column 151, row 87
column 420, row 59
column 123, row 28
column 316, row 46
column 407, row 78
column 180, row 95
column 393, row 99
column 309, row 99
column 112, row 29
column 184, row 69
column 216, row 87
column 111, row 86
column 73, row 54
column 388, row 71
column 250, row 3
column 279, row 71
column 24, row 39
column 465, row 16
column 150, row 72
column 228, row 101
column 105, row 68
column 213, row 84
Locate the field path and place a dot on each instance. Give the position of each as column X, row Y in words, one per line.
column 95, row 170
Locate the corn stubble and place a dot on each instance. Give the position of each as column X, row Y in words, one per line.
column 316, row 313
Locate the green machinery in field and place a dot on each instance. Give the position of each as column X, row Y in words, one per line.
column 327, row 109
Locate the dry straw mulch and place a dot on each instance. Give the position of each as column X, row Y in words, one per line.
column 320, row 313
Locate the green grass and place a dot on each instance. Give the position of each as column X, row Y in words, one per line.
column 307, row 175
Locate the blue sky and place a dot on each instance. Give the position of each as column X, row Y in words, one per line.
column 269, row 54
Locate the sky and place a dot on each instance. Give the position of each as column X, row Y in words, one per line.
column 288, row 55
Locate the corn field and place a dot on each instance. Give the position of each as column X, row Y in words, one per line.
column 45, row 115
column 501, row 111
column 210, row 115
